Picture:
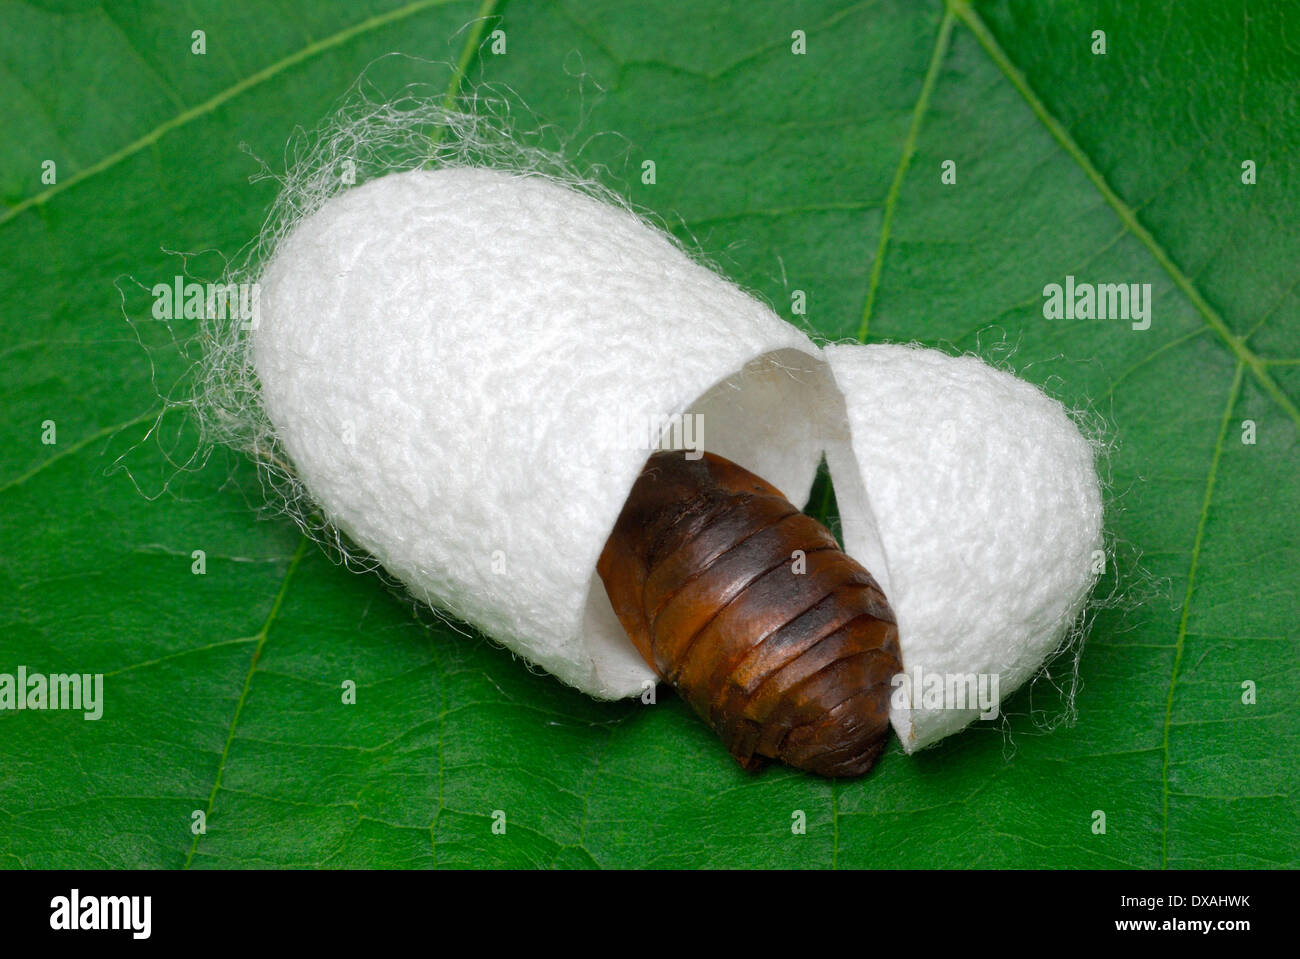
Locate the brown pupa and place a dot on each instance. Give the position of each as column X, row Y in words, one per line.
column 783, row 643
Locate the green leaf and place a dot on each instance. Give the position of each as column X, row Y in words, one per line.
column 818, row 172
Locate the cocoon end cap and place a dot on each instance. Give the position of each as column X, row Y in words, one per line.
column 445, row 356
column 974, row 500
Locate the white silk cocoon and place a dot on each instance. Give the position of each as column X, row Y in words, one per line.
column 446, row 358
column 443, row 353
column 974, row 500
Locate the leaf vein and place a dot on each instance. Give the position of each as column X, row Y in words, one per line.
column 75, row 448
column 1180, row 647
column 1123, row 210
column 220, row 99
column 248, row 682
column 904, row 162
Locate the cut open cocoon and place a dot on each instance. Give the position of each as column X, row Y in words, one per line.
column 455, row 360
column 973, row 499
